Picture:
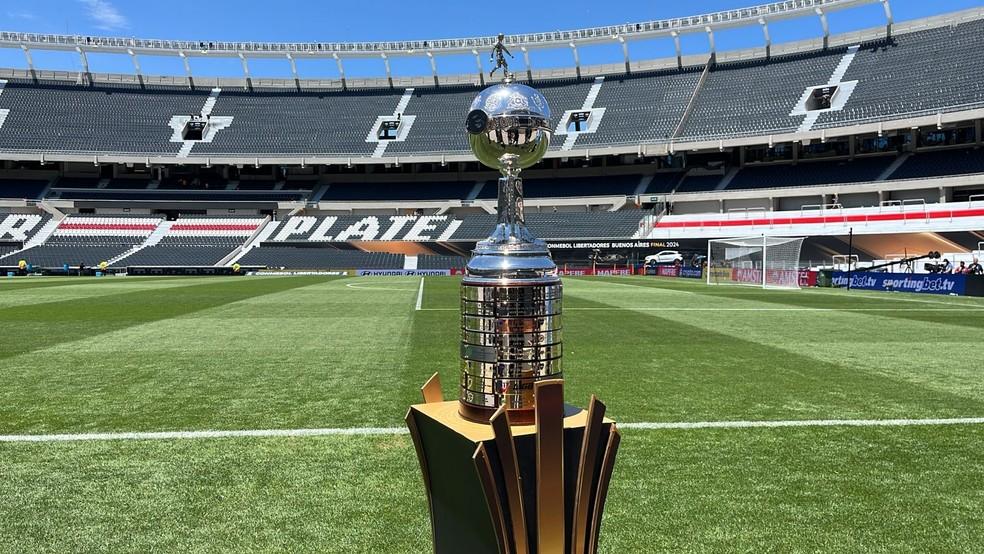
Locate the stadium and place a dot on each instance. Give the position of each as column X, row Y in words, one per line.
column 220, row 294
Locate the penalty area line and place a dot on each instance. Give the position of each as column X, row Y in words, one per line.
column 369, row 431
column 420, row 295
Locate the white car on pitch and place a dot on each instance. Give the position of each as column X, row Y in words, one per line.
column 663, row 257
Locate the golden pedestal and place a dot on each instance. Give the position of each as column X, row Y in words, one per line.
column 515, row 489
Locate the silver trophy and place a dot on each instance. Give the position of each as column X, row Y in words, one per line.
column 511, row 294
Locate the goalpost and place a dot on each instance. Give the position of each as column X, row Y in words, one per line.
column 754, row 261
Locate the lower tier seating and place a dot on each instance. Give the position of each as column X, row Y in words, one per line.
column 320, row 258
column 89, row 250
column 441, row 262
column 184, row 251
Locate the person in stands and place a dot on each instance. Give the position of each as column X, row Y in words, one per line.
column 975, row 268
column 960, row 269
column 947, row 266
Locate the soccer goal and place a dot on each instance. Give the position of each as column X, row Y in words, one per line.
column 754, row 261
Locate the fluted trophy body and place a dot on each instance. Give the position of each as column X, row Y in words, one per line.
column 511, row 294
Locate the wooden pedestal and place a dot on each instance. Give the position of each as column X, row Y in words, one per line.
column 515, row 489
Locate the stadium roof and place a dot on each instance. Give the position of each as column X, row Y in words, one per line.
column 621, row 34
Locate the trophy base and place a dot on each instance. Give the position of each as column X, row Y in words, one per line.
column 482, row 414
column 543, row 493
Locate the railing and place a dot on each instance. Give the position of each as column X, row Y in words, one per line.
column 643, row 29
column 849, row 261
column 923, row 213
column 745, row 213
column 821, row 207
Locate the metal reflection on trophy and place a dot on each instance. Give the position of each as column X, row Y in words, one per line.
column 511, row 295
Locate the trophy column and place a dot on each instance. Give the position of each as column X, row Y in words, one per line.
column 511, row 314
column 508, row 467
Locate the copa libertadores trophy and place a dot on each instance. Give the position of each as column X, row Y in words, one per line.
column 508, row 467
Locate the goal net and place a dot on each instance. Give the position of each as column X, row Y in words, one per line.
column 755, row 261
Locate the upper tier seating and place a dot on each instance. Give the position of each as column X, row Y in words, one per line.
column 756, row 97
column 60, row 116
column 272, row 122
column 643, row 107
column 922, row 72
column 930, row 70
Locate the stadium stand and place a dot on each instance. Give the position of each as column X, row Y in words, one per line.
column 320, row 258
column 59, row 116
column 928, row 71
column 429, row 261
column 22, row 227
column 756, row 97
column 642, row 108
column 184, row 251
column 286, row 121
column 937, row 163
column 195, row 242
column 89, row 240
column 22, row 188
column 410, row 190
column 859, row 170
column 933, row 70
column 197, row 195
column 699, row 183
column 560, row 188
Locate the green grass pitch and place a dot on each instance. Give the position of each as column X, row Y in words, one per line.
column 183, row 354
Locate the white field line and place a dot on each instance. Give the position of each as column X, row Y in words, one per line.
column 171, row 435
column 371, row 286
column 368, row 431
column 420, row 295
column 890, row 297
column 806, row 423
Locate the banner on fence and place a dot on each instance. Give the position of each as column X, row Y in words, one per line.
column 903, row 282
column 406, row 272
column 691, row 272
column 673, row 271
column 776, row 277
column 582, row 271
column 807, row 278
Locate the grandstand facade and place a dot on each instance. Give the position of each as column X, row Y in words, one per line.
column 876, row 132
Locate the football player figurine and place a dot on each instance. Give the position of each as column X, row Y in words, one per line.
column 497, row 57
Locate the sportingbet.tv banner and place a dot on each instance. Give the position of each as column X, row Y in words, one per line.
column 675, row 271
column 903, row 282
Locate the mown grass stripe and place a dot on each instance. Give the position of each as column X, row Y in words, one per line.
column 34, row 326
